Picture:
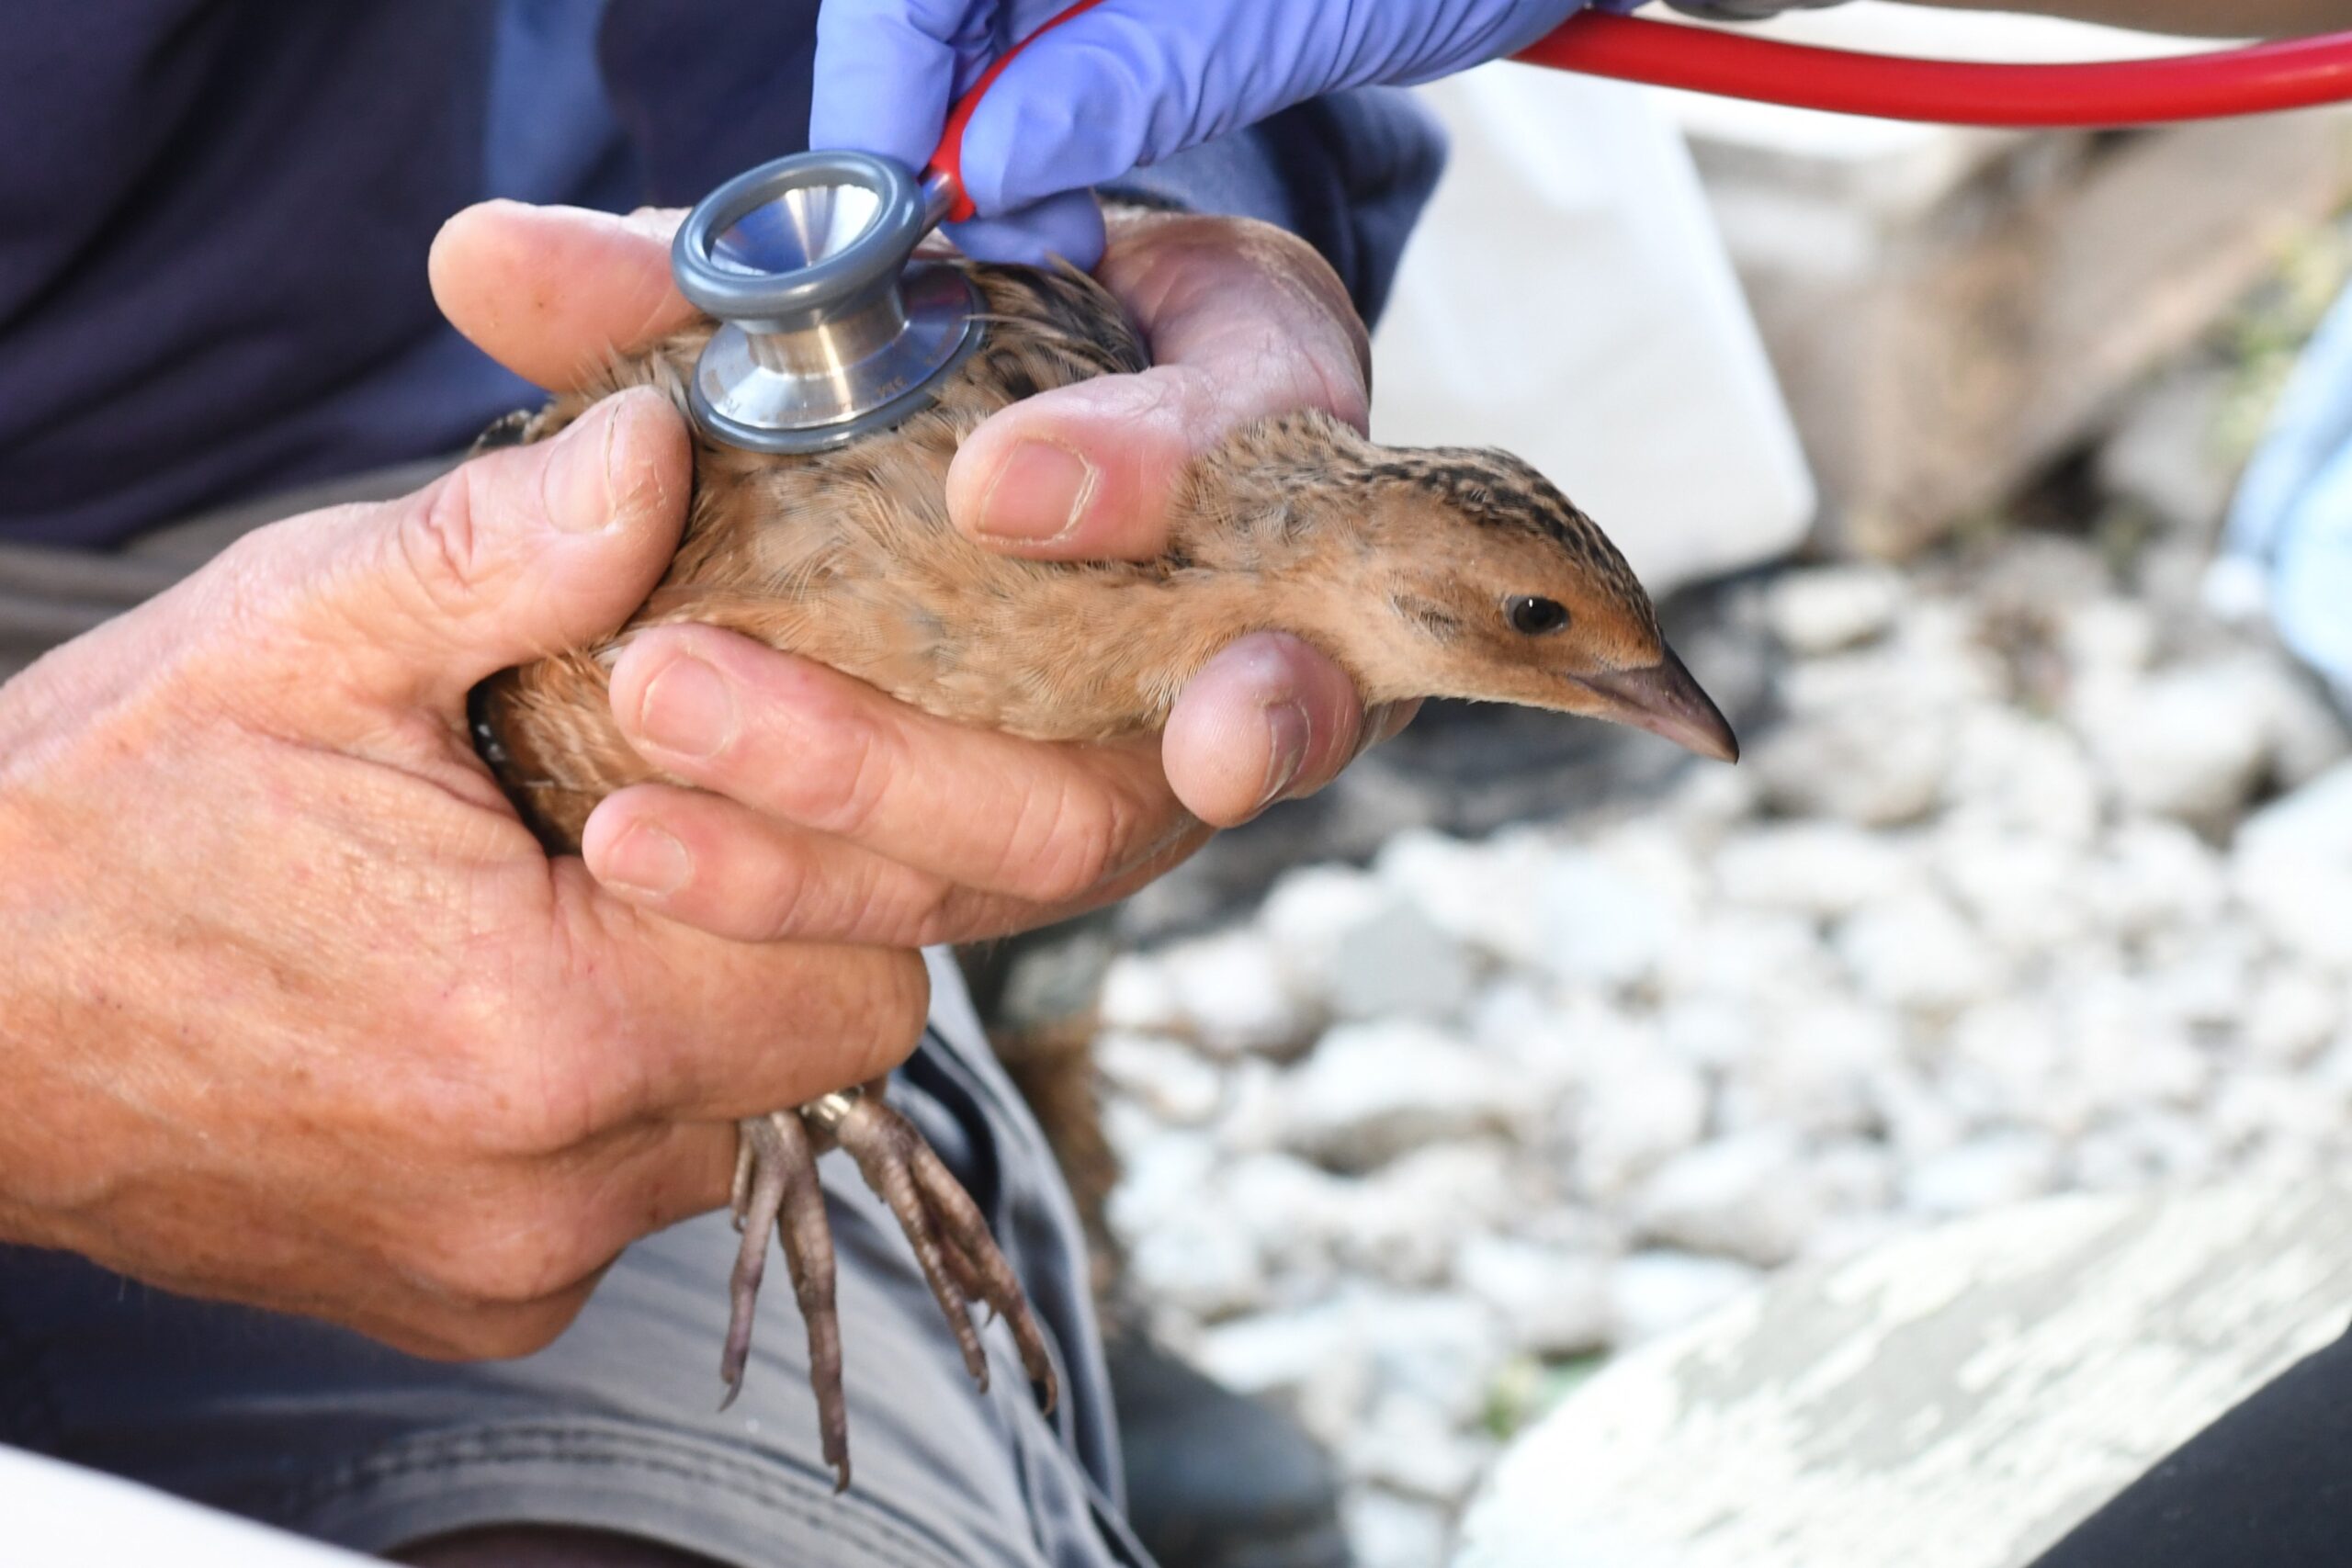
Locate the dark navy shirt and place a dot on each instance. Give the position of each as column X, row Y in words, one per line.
column 214, row 215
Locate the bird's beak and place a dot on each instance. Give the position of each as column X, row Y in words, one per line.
column 1664, row 700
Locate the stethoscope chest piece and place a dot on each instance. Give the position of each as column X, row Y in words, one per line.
column 828, row 331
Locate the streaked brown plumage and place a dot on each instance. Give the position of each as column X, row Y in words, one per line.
column 1423, row 573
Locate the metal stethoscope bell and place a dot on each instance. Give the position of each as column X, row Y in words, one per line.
column 830, row 331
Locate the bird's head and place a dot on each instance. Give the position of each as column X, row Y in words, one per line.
column 1498, row 589
column 1441, row 572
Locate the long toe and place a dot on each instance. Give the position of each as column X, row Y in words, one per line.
column 777, row 1193
column 809, row 1252
column 884, row 1144
column 992, row 1281
column 761, row 1172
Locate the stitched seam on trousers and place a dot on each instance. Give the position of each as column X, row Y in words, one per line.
column 769, row 1486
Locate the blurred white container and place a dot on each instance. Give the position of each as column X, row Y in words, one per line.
column 1567, row 297
column 60, row 1513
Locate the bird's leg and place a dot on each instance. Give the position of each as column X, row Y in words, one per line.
column 950, row 1235
column 775, row 1187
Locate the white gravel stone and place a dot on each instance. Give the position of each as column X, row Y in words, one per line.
column 2021, row 891
column 1710, row 801
column 2121, row 1047
column 2308, row 733
column 2178, row 1147
column 1163, row 1076
column 2013, row 773
column 2162, row 457
column 1307, row 909
column 1874, row 768
column 1812, row 1068
column 1829, row 609
column 1361, row 948
column 2249, row 1107
column 1410, row 1449
column 1138, row 995
column 1371, row 1091
column 1842, row 1238
column 1398, row 963
column 1748, row 1197
column 1748, row 956
column 1315, row 1361
column 1293, row 1213
column 1553, row 1301
column 2190, row 743
column 1197, row 1262
column 1916, row 952
column 1854, row 1176
column 1232, row 996
column 2103, row 639
column 1388, row 1531
column 1631, row 1119
column 1823, row 869
column 2141, row 1149
column 1600, row 924
column 2002, row 1167
column 2154, row 875
column 2291, row 864
column 1652, row 1294
column 1255, row 1109
column 1713, row 1033
column 1936, row 665
column 1921, row 1121
column 2293, row 1016
column 2009, row 1059
column 1553, row 1044
column 2334, row 1068
column 1399, row 1223
column 1162, row 1177
column 1441, row 1349
column 2200, row 980
column 1481, row 894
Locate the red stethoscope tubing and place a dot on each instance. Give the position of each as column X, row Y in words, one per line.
column 2296, row 73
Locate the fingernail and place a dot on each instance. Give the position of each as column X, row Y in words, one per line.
column 577, row 485
column 688, row 708
column 1288, row 734
column 649, row 860
column 1039, row 495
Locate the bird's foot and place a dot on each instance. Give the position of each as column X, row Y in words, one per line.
column 776, row 1187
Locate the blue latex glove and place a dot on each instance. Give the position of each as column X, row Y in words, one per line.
column 2289, row 539
column 1127, row 83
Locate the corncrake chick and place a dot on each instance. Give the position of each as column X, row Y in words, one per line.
column 1449, row 573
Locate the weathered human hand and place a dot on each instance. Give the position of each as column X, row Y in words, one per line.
column 827, row 808
column 294, row 1012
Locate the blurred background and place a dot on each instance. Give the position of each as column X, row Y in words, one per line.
column 1531, row 1041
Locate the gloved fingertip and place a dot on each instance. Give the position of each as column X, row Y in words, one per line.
column 1067, row 227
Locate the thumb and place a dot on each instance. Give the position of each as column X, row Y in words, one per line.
column 512, row 556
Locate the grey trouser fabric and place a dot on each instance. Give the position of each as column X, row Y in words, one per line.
column 614, row 1427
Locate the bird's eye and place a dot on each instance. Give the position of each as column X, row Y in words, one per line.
column 1532, row 617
